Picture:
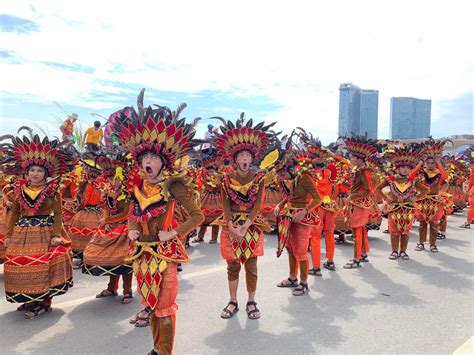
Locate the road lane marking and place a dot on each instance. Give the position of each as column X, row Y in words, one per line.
column 466, row 348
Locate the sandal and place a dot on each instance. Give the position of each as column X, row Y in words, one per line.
column 404, row 255
column 213, row 241
column 292, row 283
column 441, row 236
column 37, row 310
column 341, row 239
column 198, row 240
column 301, row 290
column 251, row 314
column 315, row 271
column 394, row 255
column 227, row 313
column 420, row 247
column 466, row 225
column 26, row 306
column 140, row 321
column 127, row 298
column 179, row 268
column 106, row 293
column 352, row 264
column 330, row 265
column 364, row 258
column 152, row 352
column 433, row 248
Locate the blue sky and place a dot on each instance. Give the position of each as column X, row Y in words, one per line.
column 274, row 61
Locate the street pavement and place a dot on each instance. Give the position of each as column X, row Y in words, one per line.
column 421, row 306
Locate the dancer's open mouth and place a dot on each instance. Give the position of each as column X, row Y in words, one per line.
column 148, row 170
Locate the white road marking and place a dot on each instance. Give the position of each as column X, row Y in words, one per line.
column 466, row 348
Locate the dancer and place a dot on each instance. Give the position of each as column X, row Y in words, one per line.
column 430, row 208
column 157, row 139
column 38, row 249
column 106, row 253
column 242, row 240
column 297, row 219
column 404, row 191
column 361, row 200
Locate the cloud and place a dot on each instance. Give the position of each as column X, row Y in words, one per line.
column 283, row 62
column 10, row 23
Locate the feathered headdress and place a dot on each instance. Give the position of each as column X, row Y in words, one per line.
column 405, row 156
column 22, row 153
column 240, row 136
column 360, row 146
column 110, row 163
column 433, row 148
column 313, row 145
column 156, row 130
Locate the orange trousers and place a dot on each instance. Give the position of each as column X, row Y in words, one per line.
column 327, row 225
column 361, row 242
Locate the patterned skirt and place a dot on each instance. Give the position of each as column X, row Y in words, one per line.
column 83, row 227
column 34, row 270
column 69, row 209
column 341, row 219
column 430, row 209
column 211, row 206
column 250, row 246
column 106, row 252
column 3, row 226
column 400, row 219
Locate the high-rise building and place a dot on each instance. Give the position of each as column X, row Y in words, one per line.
column 358, row 110
column 410, row 118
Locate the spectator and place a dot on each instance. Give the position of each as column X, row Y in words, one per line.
column 93, row 137
column 67, row 128
column 208, row 137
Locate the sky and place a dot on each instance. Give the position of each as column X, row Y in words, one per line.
column 275, row 60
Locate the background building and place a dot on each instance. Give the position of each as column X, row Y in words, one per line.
column 410, row 118
column 358, row 110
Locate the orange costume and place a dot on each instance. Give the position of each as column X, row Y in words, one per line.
column 209, row 184
column 242, row 198
column 325, row 175
column 361, row 201
column 431, row 208
column 161, row 133
column 85, row 222
column 302, row 198
column 107, row 252
column 38, row 252
column 403, row 192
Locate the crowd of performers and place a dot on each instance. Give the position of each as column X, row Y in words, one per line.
column 132, row 209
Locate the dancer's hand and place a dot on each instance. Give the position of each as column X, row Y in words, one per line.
column 276, row 210
column 133, row 235
column 165, row 235
column 102, row 222
column 9, row 204
column 55, row 241
column 300, row 215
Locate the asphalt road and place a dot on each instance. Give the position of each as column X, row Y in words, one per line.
column 424, row 305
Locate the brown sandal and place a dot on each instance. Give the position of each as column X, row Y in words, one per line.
column 106, row 293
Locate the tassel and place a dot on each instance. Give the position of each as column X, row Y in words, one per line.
column 145, row 230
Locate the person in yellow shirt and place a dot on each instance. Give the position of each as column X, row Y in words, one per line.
column 93, row 137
